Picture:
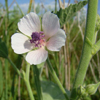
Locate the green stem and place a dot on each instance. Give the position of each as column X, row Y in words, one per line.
column 14, row 66
column 26, row 80
column 87, row 48
column 7, row 43
column 56, row 79
column 7, row 23
column 20, row 9
column 37, row 82
column 29, row 89
column 55, row 6
column 25, row 77
column 27, row 71
column 6, row 79
column 30, row 6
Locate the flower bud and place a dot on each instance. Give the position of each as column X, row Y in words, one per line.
column 81, row 91
column 92, row 88
column 97, row 23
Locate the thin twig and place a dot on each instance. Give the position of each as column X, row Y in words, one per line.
column 65, row 64
column 94, row 76
column 93, row 73
column 77, row 33
column 11, row 4
column 68, row 3
column 34, row 5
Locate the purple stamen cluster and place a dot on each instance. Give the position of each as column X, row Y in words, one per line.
column 36, row 37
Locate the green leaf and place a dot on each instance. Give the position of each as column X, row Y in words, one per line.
column 53, row 91
column 65, row 14
column 46, row 96
column 3, row 50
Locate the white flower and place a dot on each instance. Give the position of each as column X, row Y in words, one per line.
column 34, row 41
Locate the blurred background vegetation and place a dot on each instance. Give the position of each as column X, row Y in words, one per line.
column 65, row 62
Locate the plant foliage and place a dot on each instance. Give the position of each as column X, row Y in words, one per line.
column 65, row 14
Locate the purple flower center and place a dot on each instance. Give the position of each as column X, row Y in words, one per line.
column 37, row 39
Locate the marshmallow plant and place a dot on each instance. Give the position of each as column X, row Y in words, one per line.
column 35, row 39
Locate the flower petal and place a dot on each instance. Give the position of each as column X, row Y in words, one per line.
column 29, row 23
column 50, row 24
column 57, row 41
column 37, row 56
column 20, row 43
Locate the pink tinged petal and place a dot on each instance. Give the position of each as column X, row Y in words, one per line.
column 56, row 42
column 50, row 24
column 37, row 56
column 20, row 43
column 29, row 23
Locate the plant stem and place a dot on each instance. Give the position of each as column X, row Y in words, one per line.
column 26, row 80
column 19, row 9
column 55, row 6
column 87, row 48
column 14, row 66
column 25, row 77
column 56, row 79
column 7, row 43
column 30, row 6
column 29, row 89
column 7, row 23
column 27, row 71
column 37, row 82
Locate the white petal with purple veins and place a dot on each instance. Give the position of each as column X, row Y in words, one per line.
column 50, row 24
column 29, row 23
column 37, row 56
column 57, row 41
column 20, row 43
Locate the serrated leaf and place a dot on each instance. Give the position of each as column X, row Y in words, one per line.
column 65, row 14
column 3, row 50
column 53, row 90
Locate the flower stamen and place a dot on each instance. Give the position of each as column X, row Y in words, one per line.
column 38, row 39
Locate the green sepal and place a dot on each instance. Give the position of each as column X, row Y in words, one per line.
column 81, row 91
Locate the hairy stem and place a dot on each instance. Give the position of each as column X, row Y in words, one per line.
column 87, row 47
